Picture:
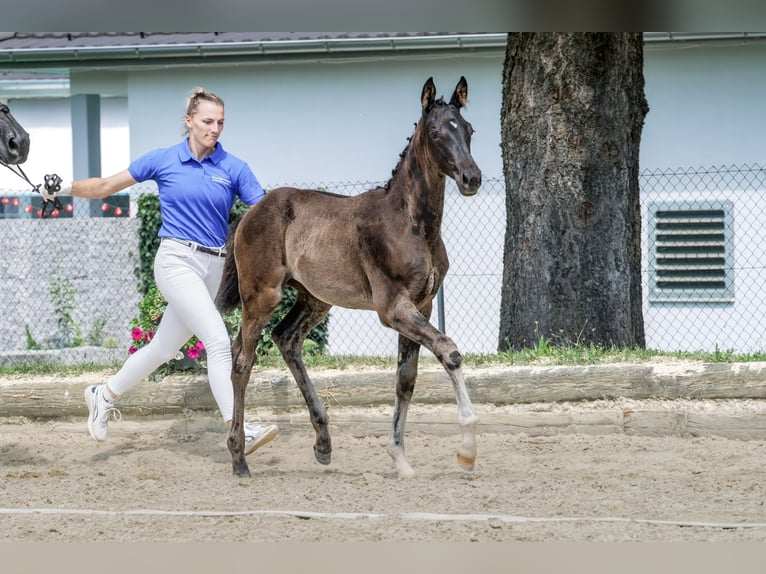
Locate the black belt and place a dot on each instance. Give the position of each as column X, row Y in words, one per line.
column 220, row 252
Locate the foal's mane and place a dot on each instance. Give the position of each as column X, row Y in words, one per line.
column 440, row 102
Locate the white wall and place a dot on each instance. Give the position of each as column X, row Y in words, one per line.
column 739, row 325
column 298, row 123
column 348, row 121
column 706, row 105
column 707, row 109
column 316, row 123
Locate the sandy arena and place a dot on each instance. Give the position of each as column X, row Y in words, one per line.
column 169, row 479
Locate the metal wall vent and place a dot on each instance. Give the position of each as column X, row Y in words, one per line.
column 691, row 253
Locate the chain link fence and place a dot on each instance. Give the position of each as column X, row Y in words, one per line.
column 704, row 246
column 70, row 280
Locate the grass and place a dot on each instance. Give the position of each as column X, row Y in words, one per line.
column 543, row 353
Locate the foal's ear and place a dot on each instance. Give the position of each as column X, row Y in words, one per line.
column 428, row 95
column 460, row 95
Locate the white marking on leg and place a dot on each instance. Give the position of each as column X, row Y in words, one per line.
column 467, row 419
column 403, row 467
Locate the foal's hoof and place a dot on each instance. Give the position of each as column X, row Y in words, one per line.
column 405, row 473
column 465, row 462
column 241, row 470
column 322, row 457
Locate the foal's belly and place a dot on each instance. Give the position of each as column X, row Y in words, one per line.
column 336, row 287
column 340, row 296
column 337, row 275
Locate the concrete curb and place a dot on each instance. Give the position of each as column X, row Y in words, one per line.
column 63, row 357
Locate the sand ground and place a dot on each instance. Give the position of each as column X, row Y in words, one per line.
column 166, row 478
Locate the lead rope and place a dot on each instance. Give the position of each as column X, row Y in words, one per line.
column 56, row 204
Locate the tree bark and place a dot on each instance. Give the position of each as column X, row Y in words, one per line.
column 571, row 120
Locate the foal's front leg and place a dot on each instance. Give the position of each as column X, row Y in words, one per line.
column 414, row 325
column 406, row 374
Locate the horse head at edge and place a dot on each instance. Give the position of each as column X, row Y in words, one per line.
column 14, row 140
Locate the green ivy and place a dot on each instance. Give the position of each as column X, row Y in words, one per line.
column 238, row 210
column 149, row 225
column 69, row 333
column 150, row 222
column 62, row 294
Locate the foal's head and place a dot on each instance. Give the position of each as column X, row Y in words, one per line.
column 448, row 135
column 14, row 140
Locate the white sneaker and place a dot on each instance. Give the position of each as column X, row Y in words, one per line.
column 257, row 435
column 98, row 411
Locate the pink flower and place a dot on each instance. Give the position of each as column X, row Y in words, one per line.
column 137, row 334
column 200, row 345
column 132, row 350
column 148, row 336
column 193, row 353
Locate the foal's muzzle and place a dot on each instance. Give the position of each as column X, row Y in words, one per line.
column 15, row 148
column 469, row 180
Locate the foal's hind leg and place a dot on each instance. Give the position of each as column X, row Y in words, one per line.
column 289, row 335
column 239, row 378
column 256, row 312
column 407, row 372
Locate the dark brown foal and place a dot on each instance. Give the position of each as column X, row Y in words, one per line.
column 379, row 250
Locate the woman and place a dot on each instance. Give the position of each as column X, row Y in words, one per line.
column 198, row 183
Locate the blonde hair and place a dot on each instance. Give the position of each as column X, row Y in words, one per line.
column 192, row 103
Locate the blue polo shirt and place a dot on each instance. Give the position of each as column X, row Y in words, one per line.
column 197, row 196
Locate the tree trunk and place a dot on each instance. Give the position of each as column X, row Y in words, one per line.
column 572, row 114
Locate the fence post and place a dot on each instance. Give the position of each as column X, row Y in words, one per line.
column 86, row 147
column 440, row 308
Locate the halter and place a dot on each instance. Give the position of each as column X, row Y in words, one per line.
column 20, row 172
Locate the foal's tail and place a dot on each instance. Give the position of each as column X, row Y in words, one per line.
column 228, row 299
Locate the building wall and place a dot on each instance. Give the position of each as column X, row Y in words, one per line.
column 737, row 324
column 319, row 123
column 706, row 105
column 315, row 122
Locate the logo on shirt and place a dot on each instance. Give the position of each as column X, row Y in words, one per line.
column 218, row 179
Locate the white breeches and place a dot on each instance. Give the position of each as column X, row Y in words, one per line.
column 189, row 281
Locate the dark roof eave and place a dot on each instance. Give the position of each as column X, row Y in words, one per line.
column 265, row 51
column 140, row 55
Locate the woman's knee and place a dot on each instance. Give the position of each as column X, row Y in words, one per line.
column 160, row 354
column 218, row 347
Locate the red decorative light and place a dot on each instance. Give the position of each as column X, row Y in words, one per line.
column 117, row 211
column 39, row 213
column 69, row 208
column 55, row 213
column 105, row 207
column 5, row 201
column 28, row 209
column 15, row 202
